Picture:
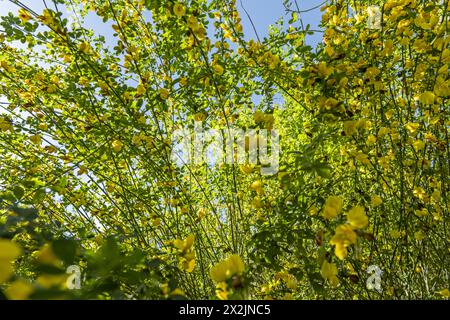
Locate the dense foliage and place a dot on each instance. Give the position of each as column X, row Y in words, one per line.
column 86, row 175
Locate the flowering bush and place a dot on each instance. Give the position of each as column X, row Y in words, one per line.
column 86, row 176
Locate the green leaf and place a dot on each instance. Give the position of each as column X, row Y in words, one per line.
column 65, row 250
column 19, row 192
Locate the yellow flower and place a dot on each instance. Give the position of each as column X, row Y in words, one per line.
column 46, row 18
column 6, row 270
column 85, row 47
column 357, row 217
column 103, row 85
column 36, row 139
column 52, row 88
column 256, row 185
column 376, row 200
column 186, row 244
column 323, row 70
column 48, row 281
column 177, row 292
column 371, row 139
column 46, row 256
column 179, row 10
column 164, row 93
column 312, row 211
column 5, row 65
column 246, row 168
column 363, row 158
column 67, row 58
column 345, row 234
column 343, row 237
column 188, row 265
column 290, row 281
column 419, row 193
column 200, row 116
column 218, row 69
column 258, row 116
column 201, row 213
column 117, row 145
column 418, row 145
column 140, row 89
column 183, row 81
column 236, row 264
column 445, row 293
column 412, row 127
column 192, row 23
column 222, row 291
column 329, row 272
column 228, row 268
column 257, row 203
column 185, row 247
column 19, row 290
column 436, row 195
column 5, row 125
column 24, row 15
column 419, row 235
column 383, row 131
column 350, row 127
column 427, row 97
column 333, row 206
column 273, row 61
column 83, row 81
column 395, row 234
column 9, row 251
column 343, row 82
column 340, row 251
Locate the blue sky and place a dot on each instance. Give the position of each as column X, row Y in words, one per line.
column 266, row 12
column 262, row 12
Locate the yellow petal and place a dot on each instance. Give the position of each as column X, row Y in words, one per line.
column 189, row 266
column 221, row 291
column 48, row 281
column 340, row 251
column 9, row 250
column 445, row 293
column 6, row 270
column 179, row 10
column 218, row 69
column 164, row 93
column 46, row 256
column 236, row 263
column 329, row 272
column 24, row 15
column 189, row 241
column 226, row 269
column 427, row 97
column 357, row 217
column 376, row 200
column 177, row 292
column 117, row 145
column 333, row 206
column 218, row 273
column 19, row 290
column 329, row 213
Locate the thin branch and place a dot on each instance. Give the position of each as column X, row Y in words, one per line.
column 251, row 21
